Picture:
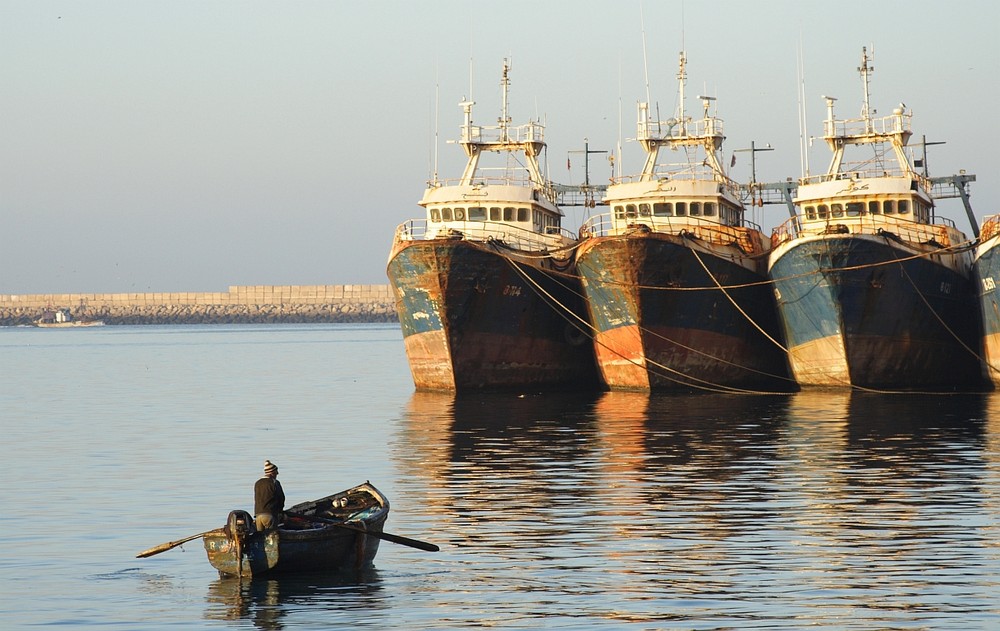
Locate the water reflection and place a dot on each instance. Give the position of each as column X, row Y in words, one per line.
column 817, row 496
column 268, row 602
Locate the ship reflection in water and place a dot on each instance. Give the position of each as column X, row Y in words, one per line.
column 269, row 603
column 822, row 503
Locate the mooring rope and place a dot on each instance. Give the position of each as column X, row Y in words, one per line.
column 586, row 328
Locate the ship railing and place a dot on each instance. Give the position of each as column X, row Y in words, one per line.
column 506, row 177
column 529, row 132
column 749, row 237
column 864, row 127
column 852, row 171
column 511, row 235
column 990, row 227
column 944, row 233
column 673, row 130
column 678, row 171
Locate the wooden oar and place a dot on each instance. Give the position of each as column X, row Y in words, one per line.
column 406, row 541
column 163, row 547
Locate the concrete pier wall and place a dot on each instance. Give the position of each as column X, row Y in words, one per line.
column 241, row 304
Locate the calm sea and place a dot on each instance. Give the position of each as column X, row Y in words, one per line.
column 604, row 511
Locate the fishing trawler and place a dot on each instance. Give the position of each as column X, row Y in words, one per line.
column 675, row 275
column 872, row 289
column 485, row 288
column 987, row 273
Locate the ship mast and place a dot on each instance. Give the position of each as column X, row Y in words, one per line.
column 527, row 139
column 866, row 69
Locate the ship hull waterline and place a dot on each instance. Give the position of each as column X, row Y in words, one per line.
column 476, row 317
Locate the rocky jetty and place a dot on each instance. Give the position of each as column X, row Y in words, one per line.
column 243, row 305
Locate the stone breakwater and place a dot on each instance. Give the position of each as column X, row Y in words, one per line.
column 250, row 304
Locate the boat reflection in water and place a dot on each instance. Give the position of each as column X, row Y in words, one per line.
column 786, row 496
column 266, row 603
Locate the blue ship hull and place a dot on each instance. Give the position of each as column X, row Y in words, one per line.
column 987, row 276
column 474, row 317
column 864, row 311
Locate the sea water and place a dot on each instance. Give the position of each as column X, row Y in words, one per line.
column 558, row 511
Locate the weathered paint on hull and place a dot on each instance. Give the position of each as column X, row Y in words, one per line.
column 473, row 318
column 275, row 552
column 654, row 331
column 859, row 310
column 987, row 277
column 822, row 361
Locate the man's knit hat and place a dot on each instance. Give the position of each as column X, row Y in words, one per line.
column 270, row 467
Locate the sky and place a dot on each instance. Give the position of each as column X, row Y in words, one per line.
column 191, row 145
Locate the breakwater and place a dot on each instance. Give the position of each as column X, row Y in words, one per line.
column 241, row 304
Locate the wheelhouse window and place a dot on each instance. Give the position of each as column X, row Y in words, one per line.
column 922, row 212
column 810, row 212
column 854, row 209
column 644, row 210
column 695, row 209
column 446, row 214
column 435, row 215
column 903, row 207
column 459, row 214
column 709, row 209
column 663, row 209
column 837, row 210
column 495, row 213
column 522, row 215
column 874, row 207
column 508, row 213
column 889, row 206
column 477, row 213
column 681, row 208
column 823, row 211
column 630, row 211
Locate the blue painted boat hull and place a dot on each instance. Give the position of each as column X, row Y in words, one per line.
column 987, row 276
column 862, row 310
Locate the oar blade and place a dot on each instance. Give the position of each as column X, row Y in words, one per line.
column 163, row 547
column 406, row 541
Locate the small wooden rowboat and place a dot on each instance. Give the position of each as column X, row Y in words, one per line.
column 327, row 534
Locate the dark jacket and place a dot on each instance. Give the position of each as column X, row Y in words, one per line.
column 268, row 497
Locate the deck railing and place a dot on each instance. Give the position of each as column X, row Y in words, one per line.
column 944, row 234
column 990, row 227
column 511, row 235
column 748, row 237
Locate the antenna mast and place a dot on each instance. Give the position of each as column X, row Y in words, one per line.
column 682, row 79
column 866, row 69
column 504, row 116
column 803, row 118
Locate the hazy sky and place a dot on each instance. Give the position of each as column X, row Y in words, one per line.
column 185, row 145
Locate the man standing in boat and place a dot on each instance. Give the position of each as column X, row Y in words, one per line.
column 269, row 498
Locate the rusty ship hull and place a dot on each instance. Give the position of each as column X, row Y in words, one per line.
column 868, row 311
column 662, row 323
column 987, row 275
column 475, row 317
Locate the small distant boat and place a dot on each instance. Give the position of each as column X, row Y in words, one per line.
column 327, row 534
column 62, row 318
